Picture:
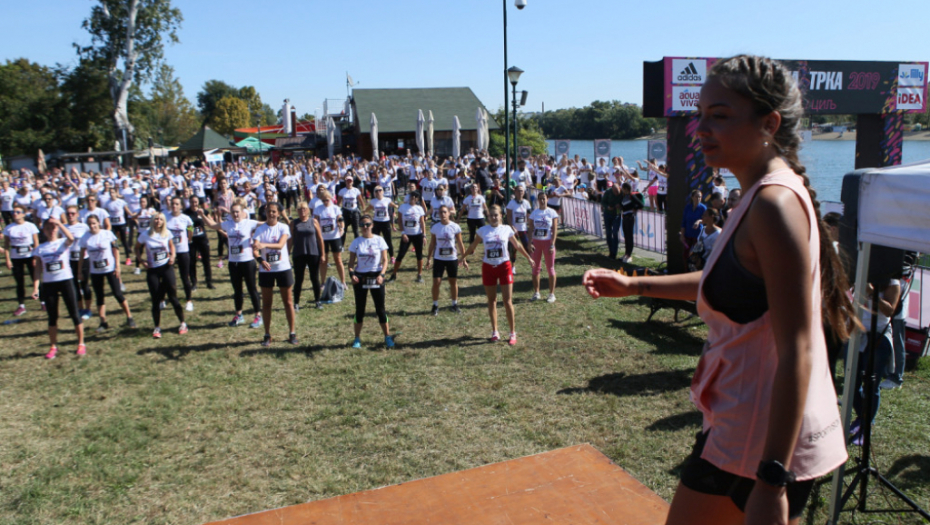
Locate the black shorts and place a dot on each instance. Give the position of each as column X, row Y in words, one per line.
column 333, row 245
column 450, row 267
column 282, row 279
column 700, row 475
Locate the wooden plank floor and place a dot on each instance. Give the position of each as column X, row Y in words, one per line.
column 576, row 485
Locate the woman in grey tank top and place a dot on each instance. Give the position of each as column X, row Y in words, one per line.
column 306, row 245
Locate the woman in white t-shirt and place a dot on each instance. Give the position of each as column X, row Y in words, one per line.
column 238, row 231
column 476, row 208
column 496, row 268
column 159, row 249
column 413, row 222
column 20, row 239
column 332, row 226
column 53, row 270
column 444, row 246
column 100, row 251
column 368, row 262
column 181, row 228
column 518, row 211
column 270, row 242
column 543, row 229
column 142, row 220
column 382, row 210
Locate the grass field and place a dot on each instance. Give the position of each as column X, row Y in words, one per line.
column 208, row 425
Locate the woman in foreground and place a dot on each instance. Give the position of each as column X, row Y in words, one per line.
column 771, row 424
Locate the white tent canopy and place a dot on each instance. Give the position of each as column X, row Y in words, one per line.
column 420, row 122
column 456, row 137
column 894, row 207
column 374, row 135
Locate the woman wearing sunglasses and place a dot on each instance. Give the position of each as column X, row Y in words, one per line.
column 368, row 260
column 270, row 241
column 19, row 239
column 52, row 269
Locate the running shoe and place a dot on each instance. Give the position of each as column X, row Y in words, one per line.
column 122, row 287
column 183, row 329
column 389, row 341
column 81, row 351
column 219, row 264
column 210, row 286
column 256, row 322
column 266, row 341
column 296, row 307
column 419, row 279
column 435, row 310
column 455, row 309
column 156, row 333
column 104, row 326
column 162, row 305
column 292, row 339
column 131, row 323
column 237, row 320
column 190, row 306
column 513, row 339
column 193, row 288
column 319, row 305
column 86, row 314
column 44, row 308
column 137, row 271
column 393, row 260
column 20, row 311
column 52, row 352
column 357, row 343
column 495, row 336
column 888, row 384
column 551, row 298
column 535, row 297
column 128, row 262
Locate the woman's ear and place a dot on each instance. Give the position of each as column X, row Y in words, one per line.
column 771, row 123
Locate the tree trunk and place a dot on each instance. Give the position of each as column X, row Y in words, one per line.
column 120, row 84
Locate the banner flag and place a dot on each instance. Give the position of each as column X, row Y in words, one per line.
column 526, row 152
column 656, row 151
column 562, row 147
column 602, row 149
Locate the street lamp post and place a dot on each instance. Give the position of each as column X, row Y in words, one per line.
column 513, row 74
column 261, row 150
column 520, row 4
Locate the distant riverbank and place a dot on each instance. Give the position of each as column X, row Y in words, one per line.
column 849, row 135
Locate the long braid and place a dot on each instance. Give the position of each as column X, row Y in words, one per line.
column 770, row 87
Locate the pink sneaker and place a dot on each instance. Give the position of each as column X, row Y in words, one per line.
column 219, row 264
column 81, row 351
column 513, row 339
column 128, row 262
column 183, row 329
column 52, row 352
column 20, row 311
column 495, row 336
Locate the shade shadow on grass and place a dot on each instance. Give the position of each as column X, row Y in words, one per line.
column 621, row 384
column 911, row 470
column 173, row 353
column 667, row 339
column 675, row 422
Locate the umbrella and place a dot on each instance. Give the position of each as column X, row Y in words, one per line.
column 331, row 136
column 119, row 147
column 479, row 118
column 420, row 121
column 429, row 133
column 374, row 136
column 40, row 163
column 456, row 138
column 485, row 137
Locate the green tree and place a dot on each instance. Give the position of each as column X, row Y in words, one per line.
column 211, row 93
column 86, row 89
column 171, row 117
column 306, row 117
column 230, row 113
column 528, row 134
column 128, row 36
column 32, row 108
column 599, row 120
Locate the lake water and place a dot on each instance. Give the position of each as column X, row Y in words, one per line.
column 827, row 161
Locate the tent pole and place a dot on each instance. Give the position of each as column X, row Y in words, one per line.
column 849, row 381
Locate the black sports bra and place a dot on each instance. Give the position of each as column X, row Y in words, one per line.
column 733, row 291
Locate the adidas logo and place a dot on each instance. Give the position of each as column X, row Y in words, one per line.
column 690, row 74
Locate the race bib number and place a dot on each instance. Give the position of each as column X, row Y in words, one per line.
column 23, row 250
column 273, row 257
column 54, row 266
column 520, row 219
column 177, row 239
column 371, row 283
column 445, row 252
column 160, row 256
column 235, row 250
column 410, row 224
column 327, row 228
column 198, row 230
column 101, row 265
column 540, row 233
column 75, row 256
column 495, row 253
column 381, row 214
column 143, row 223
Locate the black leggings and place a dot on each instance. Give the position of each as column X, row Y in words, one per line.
column 473, row 225
column 184, row 267
column 20, row 267
column 662, row 201
column 629, row 220
column 201, row 245
column 301, row 263
column 361, row 297
column 97, row 280
column 416, row 241
column 162, row 283
column 82, row 281
column 50, row 294
column 384, row 229
column 244, row 271
column 524, row 238
column 221, row 241
column 351, row 218
column 122, row 233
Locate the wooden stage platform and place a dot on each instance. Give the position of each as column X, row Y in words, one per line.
column 576, row 485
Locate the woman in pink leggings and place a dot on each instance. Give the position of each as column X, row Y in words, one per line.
column 543, row 229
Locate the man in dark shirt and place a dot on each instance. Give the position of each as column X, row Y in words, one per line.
column 483, row 176
column 611, row 204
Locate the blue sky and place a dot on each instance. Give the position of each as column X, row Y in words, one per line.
column 573, row 52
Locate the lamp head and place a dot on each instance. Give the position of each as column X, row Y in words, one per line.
column 520, row 3
column 514, row 74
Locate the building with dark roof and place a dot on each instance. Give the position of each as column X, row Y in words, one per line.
column 396, row 110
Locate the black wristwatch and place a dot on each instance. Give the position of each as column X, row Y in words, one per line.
column 774, row 473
